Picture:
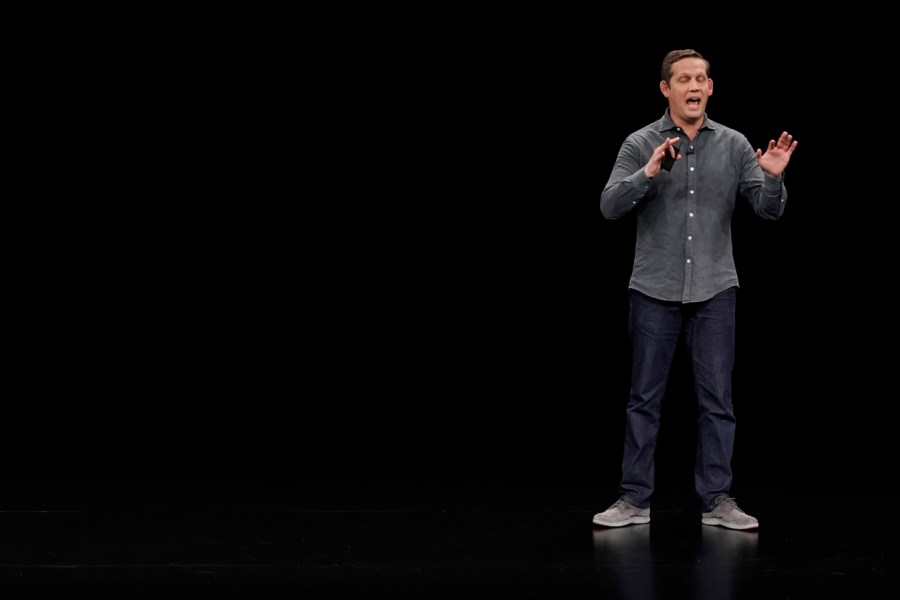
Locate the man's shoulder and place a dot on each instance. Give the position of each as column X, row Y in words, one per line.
column 650, row 130
column 724, row 130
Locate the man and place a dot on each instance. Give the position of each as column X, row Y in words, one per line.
column 682, row 175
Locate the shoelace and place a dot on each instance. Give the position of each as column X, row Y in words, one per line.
column 730, row 503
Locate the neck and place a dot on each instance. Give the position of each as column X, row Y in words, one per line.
column 690, row 128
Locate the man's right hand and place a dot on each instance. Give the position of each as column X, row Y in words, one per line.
column 654, row 166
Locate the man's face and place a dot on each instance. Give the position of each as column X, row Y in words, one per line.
column 688, row 90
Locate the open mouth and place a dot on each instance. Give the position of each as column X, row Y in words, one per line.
column 693, row 101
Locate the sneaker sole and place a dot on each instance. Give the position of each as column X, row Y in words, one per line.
column 722, row 523
column 631, row 521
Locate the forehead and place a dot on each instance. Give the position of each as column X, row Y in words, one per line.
column 689, row 66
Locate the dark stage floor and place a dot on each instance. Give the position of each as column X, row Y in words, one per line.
column 491, row 529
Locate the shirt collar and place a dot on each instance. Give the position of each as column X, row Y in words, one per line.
column 666, row 123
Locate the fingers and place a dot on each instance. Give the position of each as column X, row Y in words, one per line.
column 668, row 146
column 786, row 142
column 659, row 160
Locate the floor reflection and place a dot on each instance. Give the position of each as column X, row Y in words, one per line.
column 625, row 551
column 721, row 559
column 625, row 557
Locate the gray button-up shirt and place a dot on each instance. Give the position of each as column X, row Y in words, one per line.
column 683, row 250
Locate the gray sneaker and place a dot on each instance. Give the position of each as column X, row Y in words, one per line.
column 727, row 514
column 622, row 513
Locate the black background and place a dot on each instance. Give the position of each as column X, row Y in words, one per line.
column 402, row 196
column 370, row 197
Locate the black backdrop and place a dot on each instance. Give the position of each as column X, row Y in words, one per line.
column 401, row 196
column 374, row 196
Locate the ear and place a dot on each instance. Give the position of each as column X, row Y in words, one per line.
column 709, row 91
column 664, row 88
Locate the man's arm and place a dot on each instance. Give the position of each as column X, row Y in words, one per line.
column 630, row 177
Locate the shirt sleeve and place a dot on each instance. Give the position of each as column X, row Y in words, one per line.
column 627, row 183
column 767, row 195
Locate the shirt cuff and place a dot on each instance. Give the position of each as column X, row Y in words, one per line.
column 773, row 184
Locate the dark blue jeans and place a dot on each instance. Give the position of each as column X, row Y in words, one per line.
column 655, row 327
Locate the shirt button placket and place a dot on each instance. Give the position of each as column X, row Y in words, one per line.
column 691, row 227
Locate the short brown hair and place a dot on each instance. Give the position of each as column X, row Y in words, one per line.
column 676, row 55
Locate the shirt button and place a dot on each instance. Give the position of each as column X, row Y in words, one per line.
column 691, row 192
column 690, row 237
column 689, row 261
column 691, row 215
column 692, row 168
